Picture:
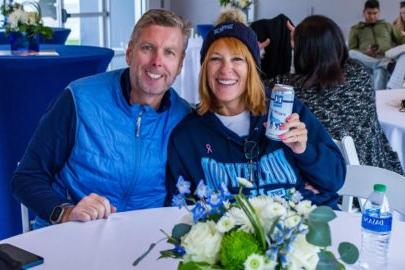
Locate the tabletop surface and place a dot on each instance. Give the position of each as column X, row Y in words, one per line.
column 388, row 104
column 116, row 242
column 64, row 51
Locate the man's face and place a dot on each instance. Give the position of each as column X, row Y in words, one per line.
column 371, row 15
column 155, row 59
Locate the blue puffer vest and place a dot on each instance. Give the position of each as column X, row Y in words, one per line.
column 120, row 150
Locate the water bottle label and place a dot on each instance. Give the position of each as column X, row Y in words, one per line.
column 377, row 224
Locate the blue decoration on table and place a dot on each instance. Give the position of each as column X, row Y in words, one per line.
column 22, row 43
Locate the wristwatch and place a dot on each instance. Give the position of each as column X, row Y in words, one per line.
column 57, row 213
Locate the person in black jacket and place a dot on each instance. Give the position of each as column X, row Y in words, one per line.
column 277, row 54
column 225, row 137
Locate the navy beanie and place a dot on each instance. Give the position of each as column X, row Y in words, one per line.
column 235, row 30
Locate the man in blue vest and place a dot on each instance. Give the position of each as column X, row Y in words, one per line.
column 101, row 147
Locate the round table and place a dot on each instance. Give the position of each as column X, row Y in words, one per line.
column 116, row 242
column 28, row 84
column 392, row 120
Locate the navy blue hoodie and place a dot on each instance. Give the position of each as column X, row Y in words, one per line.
column 201, row 147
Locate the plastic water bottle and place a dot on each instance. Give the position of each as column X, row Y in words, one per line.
column 376, row 223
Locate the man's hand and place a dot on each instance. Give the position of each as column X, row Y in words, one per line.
column 291, row 27
column 89, row 208
column 263, row 44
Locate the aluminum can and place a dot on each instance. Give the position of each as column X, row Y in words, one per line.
column 280, row 107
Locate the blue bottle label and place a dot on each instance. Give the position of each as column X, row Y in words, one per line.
column 376, row 224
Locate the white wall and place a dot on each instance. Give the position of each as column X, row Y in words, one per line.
column 345, row 12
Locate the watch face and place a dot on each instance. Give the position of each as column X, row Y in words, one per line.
column 56, row 214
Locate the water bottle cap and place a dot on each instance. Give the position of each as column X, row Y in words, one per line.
column 380, row 188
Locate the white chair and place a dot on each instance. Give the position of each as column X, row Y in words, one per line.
column 361, row 178
column 349, row 153
column 348, row 150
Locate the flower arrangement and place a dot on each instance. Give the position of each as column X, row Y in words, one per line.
column 256, row 233
column 240, row 4
column 20, row 20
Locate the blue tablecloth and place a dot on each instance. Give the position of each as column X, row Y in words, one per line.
column 28, row 84
column 59, row 36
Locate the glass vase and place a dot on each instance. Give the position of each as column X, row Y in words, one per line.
column 23, row 44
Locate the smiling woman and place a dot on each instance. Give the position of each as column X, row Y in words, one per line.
column 211, row 144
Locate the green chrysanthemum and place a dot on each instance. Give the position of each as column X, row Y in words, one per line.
column 235, row 248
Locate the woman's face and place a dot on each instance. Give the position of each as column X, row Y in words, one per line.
column 227, row 75
column 402, row 14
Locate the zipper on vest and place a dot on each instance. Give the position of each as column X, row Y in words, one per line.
column 138, row 123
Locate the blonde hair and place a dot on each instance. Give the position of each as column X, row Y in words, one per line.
column 162, row 18
column 254, row 96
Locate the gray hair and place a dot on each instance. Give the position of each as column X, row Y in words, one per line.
column 162, row 18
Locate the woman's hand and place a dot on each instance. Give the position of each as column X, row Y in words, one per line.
column 297, row 135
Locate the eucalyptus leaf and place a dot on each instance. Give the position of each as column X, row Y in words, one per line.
column 348, row 252
column 180, row 230
column 319, row 234
column 327, row 261
column 340, row 266
column 322, row 214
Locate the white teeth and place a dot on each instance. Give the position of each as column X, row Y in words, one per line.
column 227, row 82
column 153, row 75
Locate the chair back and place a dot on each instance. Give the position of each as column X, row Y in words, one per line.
column 349, row 153
column 348, row 150
column 361, row 178
column 25, row 219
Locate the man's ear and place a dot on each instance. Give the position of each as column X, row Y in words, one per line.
column 129, row 52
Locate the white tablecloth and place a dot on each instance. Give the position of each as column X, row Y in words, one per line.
column 186, row 83
column 115, row 243
column 392, row 120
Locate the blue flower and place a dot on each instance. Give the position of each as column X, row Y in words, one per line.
column 215, row 200
column 199, row 212
column 272, row 253
column 179, row 200
column 202, row 190
column 183, row 186
column 179, row 250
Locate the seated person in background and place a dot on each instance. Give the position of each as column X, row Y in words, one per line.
column 218, row 141
column 338, row 90
column 102, row 146
column 368, row 42
column 400, row 21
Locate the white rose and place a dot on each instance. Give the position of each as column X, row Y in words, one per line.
column 302, row 254
column 241, row 219
column 304, row 208
column 262, row 204
column 202, row 243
